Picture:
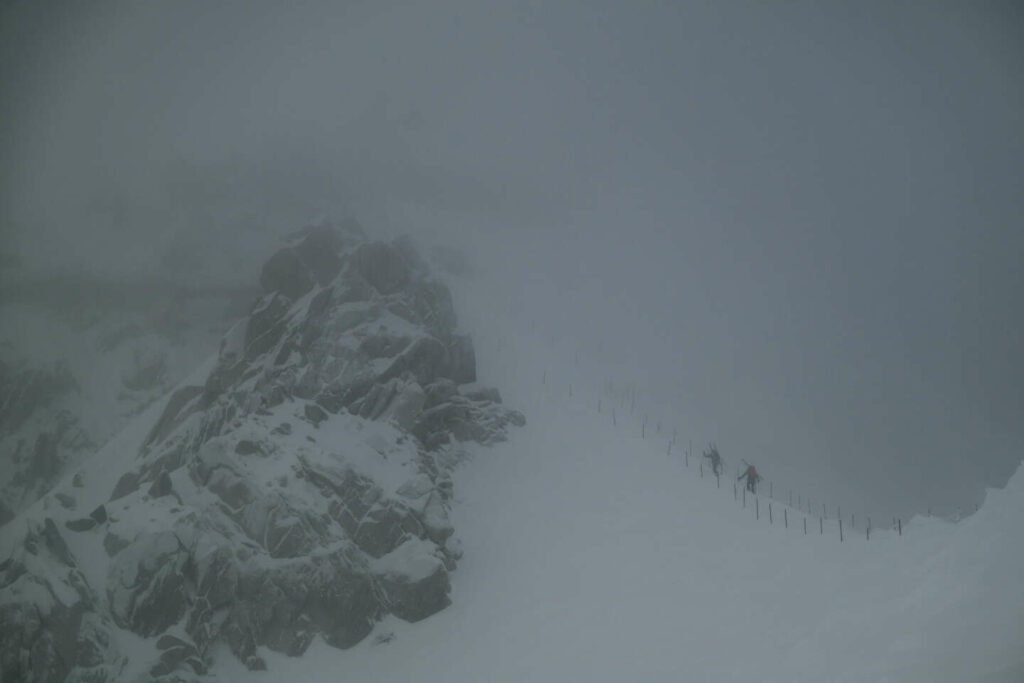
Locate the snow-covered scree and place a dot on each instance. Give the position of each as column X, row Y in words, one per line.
column 295, row 488
column 592, row 555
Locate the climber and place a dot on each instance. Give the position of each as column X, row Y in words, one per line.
column 752, row 478
column 716, row 459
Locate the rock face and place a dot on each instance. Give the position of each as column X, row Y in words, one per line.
column 303, row 490
column 51, row 628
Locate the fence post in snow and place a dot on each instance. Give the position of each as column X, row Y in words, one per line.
column 785, row 517
column 614, row 423
column 805, row 526
column 701, row 469
column 840, row 531
column 821, row 527
column 899, row 526
column 718, row 481
column 771, row 520
column 869, row 529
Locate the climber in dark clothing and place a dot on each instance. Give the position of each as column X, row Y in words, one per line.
column 752, row 478
column 716, row 459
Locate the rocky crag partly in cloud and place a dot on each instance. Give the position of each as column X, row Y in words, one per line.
column 300, row 487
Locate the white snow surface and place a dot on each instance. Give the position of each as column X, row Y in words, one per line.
column 591, row 554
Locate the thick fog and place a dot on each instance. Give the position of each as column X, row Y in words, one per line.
column 797, row 226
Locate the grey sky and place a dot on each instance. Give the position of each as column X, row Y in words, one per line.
column 799, row 222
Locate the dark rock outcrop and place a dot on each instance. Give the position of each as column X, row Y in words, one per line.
column 263, row 510
column 52, row 631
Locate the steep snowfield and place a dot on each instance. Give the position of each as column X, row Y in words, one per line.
column 593, row 555
column 105, row 366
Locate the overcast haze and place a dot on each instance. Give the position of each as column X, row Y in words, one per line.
column 798, row 225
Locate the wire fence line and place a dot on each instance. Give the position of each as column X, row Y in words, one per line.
column 618, row 403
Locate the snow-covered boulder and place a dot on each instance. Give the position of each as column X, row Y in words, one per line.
column 414, row 579
column 50, row 625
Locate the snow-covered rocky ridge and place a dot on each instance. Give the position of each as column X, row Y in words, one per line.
column 79, row 360
column 296, row 486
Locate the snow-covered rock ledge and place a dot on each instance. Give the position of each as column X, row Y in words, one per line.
column 301, row 490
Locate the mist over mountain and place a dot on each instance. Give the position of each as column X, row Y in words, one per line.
column 806, row 218
column 791, row 231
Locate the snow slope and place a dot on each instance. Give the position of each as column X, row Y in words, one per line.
column 106, row 365
column 593, row 555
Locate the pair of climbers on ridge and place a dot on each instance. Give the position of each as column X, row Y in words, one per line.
column 750, row 474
